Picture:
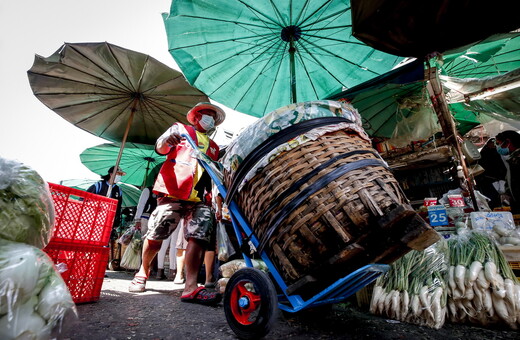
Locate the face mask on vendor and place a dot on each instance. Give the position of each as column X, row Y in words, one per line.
column 501, row 150
column 207, row 122
column 117, row 178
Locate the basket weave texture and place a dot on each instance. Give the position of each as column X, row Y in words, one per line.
column 334, row 229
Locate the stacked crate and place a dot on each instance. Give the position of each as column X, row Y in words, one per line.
column 79, row 245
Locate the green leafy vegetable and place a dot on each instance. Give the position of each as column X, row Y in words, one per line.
column 26, row 206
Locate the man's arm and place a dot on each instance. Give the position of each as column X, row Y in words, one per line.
column 140, row 206
column 168, row 139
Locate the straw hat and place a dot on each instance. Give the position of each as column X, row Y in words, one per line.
column 219, row 115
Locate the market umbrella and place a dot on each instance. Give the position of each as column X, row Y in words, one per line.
column 260, row 55
column 112, row 92
column 140, row 161
column 417, row 28
column 131, row 194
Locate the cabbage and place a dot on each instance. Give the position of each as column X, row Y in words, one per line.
column 26, row 206
column 34, row 299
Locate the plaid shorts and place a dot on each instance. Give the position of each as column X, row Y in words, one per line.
column 165, row 219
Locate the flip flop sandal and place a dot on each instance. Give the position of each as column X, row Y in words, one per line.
column 138, row 284
column 202, row 296
column 210, row 285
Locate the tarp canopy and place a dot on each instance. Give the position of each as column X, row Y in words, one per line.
column 396, row 96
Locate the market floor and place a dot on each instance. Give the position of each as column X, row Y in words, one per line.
column 159, row 314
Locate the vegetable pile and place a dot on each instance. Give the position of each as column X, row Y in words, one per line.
column 414, row 290
column 34, row 300
column 467, row 281
column 482, row 287
column 229, row 268
column 26, row 206
column 505, row 236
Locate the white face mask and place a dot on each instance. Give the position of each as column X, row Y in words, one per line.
column 207, row 122
column 117, row 178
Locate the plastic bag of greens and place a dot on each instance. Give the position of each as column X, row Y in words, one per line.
column 26, row 206
column 35, row 302
column 126, row 238
column 225, row 247
column 132, row 257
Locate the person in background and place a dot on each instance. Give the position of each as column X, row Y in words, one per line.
column 494, row 172
column 181, row 187
column 101, row 188
column 147, row 204
column 210, row 260
column 508, row 145
column 168, row 244
column 180, row 249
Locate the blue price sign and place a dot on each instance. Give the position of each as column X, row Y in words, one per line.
column 437, row 215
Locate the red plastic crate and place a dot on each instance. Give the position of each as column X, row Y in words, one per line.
column 81, row 217
column 86, row 266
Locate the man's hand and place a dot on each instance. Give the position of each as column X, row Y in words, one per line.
column 138, row 225
column 218, row 215
column 174, row 139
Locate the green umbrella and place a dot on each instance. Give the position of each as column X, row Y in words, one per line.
column 257, row 56
column 131, row 194
column 140, row 161
column 495, row 55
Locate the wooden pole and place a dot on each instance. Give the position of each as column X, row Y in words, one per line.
column 123, row 142
column 447, row 123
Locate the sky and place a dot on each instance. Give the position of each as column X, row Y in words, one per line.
column 30, row 132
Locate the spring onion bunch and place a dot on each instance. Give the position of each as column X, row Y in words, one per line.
column 413, row 290
column 482, row 287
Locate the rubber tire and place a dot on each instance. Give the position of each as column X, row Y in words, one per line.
column 267, row 312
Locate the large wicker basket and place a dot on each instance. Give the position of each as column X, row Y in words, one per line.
column 324, row 229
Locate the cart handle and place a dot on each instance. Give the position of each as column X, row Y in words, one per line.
column 205, row 161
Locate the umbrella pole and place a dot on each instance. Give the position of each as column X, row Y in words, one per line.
column 145, row 175
column 292, row 50
column 447, row 122
column 128, row 124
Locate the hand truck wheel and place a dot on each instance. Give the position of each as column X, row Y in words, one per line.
column 250, row 303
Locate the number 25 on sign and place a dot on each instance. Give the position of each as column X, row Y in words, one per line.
column 437, row 215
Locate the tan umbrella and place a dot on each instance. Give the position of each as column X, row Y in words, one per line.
column 112, row 92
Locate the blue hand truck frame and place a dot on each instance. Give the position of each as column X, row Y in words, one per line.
column 335, row 293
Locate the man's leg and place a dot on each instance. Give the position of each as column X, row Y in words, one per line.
column 162, row 223
column 179, row 277
column 150, row 249
column 193, row 262
column 209, row 263
column 198, row 232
